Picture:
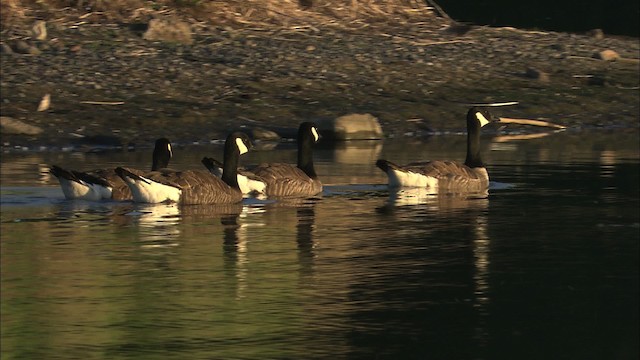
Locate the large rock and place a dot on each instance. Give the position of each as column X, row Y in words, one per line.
column 264, row 134
column 169, row 30
column 10, row 125
column 351, row 127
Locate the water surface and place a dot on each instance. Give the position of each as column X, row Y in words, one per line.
column 545, row 266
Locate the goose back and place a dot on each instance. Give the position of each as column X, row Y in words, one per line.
column 184, row 187
column 190, row 186
column 285, row 180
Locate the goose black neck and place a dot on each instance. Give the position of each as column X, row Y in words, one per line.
column 305, row 154
column 473, row 159
column 230, row 164
column 161, row 158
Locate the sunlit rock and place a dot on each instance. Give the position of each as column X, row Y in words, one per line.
column 10, row 125
column 39, row 30
column 351, row 127
column 168, row 30
column 607, row 55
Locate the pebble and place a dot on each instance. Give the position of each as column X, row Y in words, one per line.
column 539, row 75
column 607, row 55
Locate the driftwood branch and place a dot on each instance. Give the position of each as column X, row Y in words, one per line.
column 507, row 103
column 102, row 102
column 438, row 10
column 531, row 122
column 507, row 138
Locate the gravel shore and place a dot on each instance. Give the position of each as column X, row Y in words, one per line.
column 106, row 81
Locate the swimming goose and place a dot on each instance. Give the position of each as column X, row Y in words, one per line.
column 249, row 183
column 191, row 186
column 287, row 180
column 101, row 184
column 446, row 176
column 283, row 180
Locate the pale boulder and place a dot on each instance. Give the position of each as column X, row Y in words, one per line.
column 351, row 127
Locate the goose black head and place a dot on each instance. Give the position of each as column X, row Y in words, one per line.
column 162, row 154
column 478, row 117
column 308, row 130
column 238, row 141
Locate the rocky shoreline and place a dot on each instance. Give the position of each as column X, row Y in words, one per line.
column 111, row 83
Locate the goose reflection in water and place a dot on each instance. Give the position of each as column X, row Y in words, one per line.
column 304, row 239
column 422, row 196
column 158, row 225
column 280, row 213
column 454, row 226
column 234, row 247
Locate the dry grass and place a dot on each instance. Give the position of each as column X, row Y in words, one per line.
column 228, row 12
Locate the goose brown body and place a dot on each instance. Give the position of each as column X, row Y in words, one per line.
column 446, row 176
column 190, row 186
column 286, row 180
column 101, row 184
column 281, row 179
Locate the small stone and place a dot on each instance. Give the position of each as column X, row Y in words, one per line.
column 21, row 47
column 540, row 75
column 168, row 30
column 597, row 80
column 45, row 103
column 39, row 30
column 607, row 55
column 5, row 49
column 34, row 51
column 311, row 48
column 596, row 34
column 10, row 125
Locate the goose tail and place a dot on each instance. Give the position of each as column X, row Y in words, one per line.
column 79, row 185
column 386, row 165
column 148, row 190
column 129, row 176
column 62, row 173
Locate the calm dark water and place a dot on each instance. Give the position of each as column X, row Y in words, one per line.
column 619, row 17
column 545, row 267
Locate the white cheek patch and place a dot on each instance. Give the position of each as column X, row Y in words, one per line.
column 483, row 120
column 241, row 146
column 315, row 134
column 170, row 151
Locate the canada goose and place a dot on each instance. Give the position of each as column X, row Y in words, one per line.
column 249, row 183
column 191, row 186
column 283, row 180
column 104, row 184
column 446, row 176
column 286, row 180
